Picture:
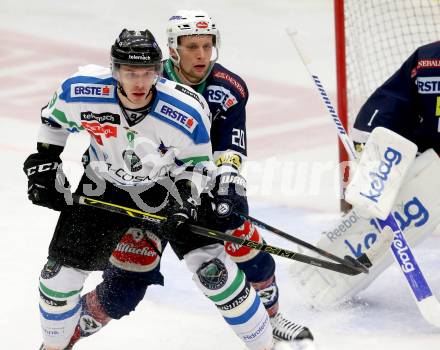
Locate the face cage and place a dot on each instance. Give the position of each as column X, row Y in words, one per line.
column 116, row 64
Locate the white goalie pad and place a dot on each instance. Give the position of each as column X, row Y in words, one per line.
column 416, row 209
column 380, row 172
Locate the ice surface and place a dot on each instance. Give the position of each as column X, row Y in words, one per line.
column 292, row 171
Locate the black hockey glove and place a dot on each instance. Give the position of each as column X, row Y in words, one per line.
column 44, row 187
column 179, row 214
column 230, row 196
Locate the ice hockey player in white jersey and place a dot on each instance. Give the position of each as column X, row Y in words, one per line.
column 193, row 39
column 149, row 148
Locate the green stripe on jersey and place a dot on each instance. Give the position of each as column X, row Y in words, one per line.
column 195, row 160
column 55, row 294
column 230, row 290
column 62, row 118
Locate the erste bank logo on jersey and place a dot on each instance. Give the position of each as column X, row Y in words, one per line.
column 176, row 115
column 219, row 94
column 92, row 90
column 428, row 85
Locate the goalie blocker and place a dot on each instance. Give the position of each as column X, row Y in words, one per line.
column 417, row 211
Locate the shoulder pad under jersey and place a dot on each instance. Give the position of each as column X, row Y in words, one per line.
column 231, row 81
column 91, row 83
column 181, row 110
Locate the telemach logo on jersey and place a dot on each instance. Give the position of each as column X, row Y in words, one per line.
column 105, row 117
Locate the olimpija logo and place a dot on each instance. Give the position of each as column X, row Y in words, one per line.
column 132, row 161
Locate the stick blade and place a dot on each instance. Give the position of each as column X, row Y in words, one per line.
column 357, row 265
column 430, row 310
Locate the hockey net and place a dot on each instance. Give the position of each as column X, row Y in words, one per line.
column 373, row 38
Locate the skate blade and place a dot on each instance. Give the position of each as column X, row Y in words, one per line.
column 305, row 344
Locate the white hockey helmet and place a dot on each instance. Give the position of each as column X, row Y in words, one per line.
column 191, row 22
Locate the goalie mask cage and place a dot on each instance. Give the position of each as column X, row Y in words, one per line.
column 373, row 38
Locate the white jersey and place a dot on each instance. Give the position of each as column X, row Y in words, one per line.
column 173, row 135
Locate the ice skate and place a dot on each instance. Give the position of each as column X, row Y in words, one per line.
column 290, row 335
column 43, row 348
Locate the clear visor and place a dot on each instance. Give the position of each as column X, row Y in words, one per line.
column 134, row 72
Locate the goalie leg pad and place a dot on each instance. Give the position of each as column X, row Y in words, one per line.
column 417, row 211
column 60, row 305
column 378, row 176
column 219, row 278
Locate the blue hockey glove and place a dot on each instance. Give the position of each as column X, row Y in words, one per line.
column 230, row 196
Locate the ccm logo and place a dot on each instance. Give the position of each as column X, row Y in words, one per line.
column 42, row 168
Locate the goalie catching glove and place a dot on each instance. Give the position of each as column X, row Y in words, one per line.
column 47, row 183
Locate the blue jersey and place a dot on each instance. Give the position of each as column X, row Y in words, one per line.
column 227, row 96
column 408, row 102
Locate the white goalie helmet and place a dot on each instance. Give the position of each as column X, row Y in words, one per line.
column 191, row 22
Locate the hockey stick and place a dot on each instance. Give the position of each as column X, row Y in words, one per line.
column 347, row 260
column 427, row 303
column 157, row 219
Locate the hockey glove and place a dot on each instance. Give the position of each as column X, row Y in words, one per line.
column 179, row 214
column 45, row 188
column 230, row 196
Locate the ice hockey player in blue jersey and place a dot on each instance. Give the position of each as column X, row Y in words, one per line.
column 193, row 41
column 408, row 102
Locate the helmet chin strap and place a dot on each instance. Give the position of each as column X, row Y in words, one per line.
column 123, row 93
